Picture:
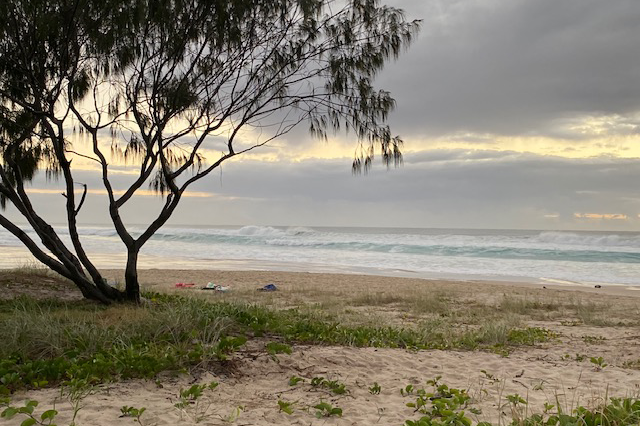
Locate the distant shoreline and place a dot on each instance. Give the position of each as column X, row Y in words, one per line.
column 16, row 257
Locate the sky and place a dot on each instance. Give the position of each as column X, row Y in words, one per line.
column 517, row 114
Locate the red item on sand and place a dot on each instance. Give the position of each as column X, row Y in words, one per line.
column 182, row 285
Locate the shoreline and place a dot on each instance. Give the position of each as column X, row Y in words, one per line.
column 17, row 257
column 166, row 278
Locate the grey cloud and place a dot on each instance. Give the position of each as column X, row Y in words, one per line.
column 450, row 188
column 518, row 67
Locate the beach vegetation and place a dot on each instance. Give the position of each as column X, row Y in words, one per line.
column 51, row 341
column 191, row 401
column 275, row 348
column 598, row 362
column 294, row 380
column 325, row 409
column 375, row 389
column 333, row 385
column 172, row 94
column 30, row 417
column 133, row 412
column 285, row 407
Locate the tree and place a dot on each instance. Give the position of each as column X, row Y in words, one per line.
column 166, row 81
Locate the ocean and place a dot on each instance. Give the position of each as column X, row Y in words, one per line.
column 529, row 256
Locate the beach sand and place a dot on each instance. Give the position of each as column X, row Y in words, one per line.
column 589, row 323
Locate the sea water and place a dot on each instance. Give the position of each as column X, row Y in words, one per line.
column 575, row 256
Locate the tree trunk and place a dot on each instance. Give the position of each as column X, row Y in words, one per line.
column 132, row 292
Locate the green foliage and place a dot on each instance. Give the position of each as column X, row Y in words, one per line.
column 192, row 394
column 516, row 399
column 333, row 385
column 76, row 390
column 598, row 362
column 324, row 409
column 443, row 406
column 375, row 389
column 190, row 400
column 46, row 418
column 274, row 348
column 285, row 407
column 408, row 390
column 294, row 380
column 49, row 342
column 136, row 413
column 530, row 336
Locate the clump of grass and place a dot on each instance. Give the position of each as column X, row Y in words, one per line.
column 50, row 342
column 376, row 299
column 527, row 306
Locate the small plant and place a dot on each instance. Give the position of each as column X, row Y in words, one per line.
column 275, row 348
column 444, row 406
column 375, row 389
column 76, row 390
column 227, row 345
column 408, row 390
column 136, row 413
column 44, row 419
column 516, row 399
column 333, row 385
column 324, row 409
column 294, row 380
column 593, row 340
column 285, row 407
column 598, row 362
column 192, row 398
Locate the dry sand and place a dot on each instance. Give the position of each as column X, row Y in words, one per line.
column 554, row 371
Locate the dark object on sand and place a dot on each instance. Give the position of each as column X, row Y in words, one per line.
column 268, row 287
column 598, row 286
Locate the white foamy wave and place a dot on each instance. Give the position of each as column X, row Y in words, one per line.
column 261, row 231
column 589, row 239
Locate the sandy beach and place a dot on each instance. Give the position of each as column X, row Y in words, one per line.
column 587, row 322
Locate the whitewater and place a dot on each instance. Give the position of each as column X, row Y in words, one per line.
column 553, row 256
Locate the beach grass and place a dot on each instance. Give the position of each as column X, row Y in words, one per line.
column 50, row 341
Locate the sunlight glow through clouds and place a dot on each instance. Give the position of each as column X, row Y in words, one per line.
column 601, row 216
column 140, row 192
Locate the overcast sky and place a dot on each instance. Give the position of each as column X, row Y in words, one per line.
column 515, row 114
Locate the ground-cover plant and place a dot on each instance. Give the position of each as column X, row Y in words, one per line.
column 598, row 362
column 47, row 342
column 294, row 380
column 375, row 389
column 333, row 385
column 324, row 409
column 275, row 348
column 285, row 406
column 445, row 406
column 133, row 412
column 29, row 416
column 191, row 402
